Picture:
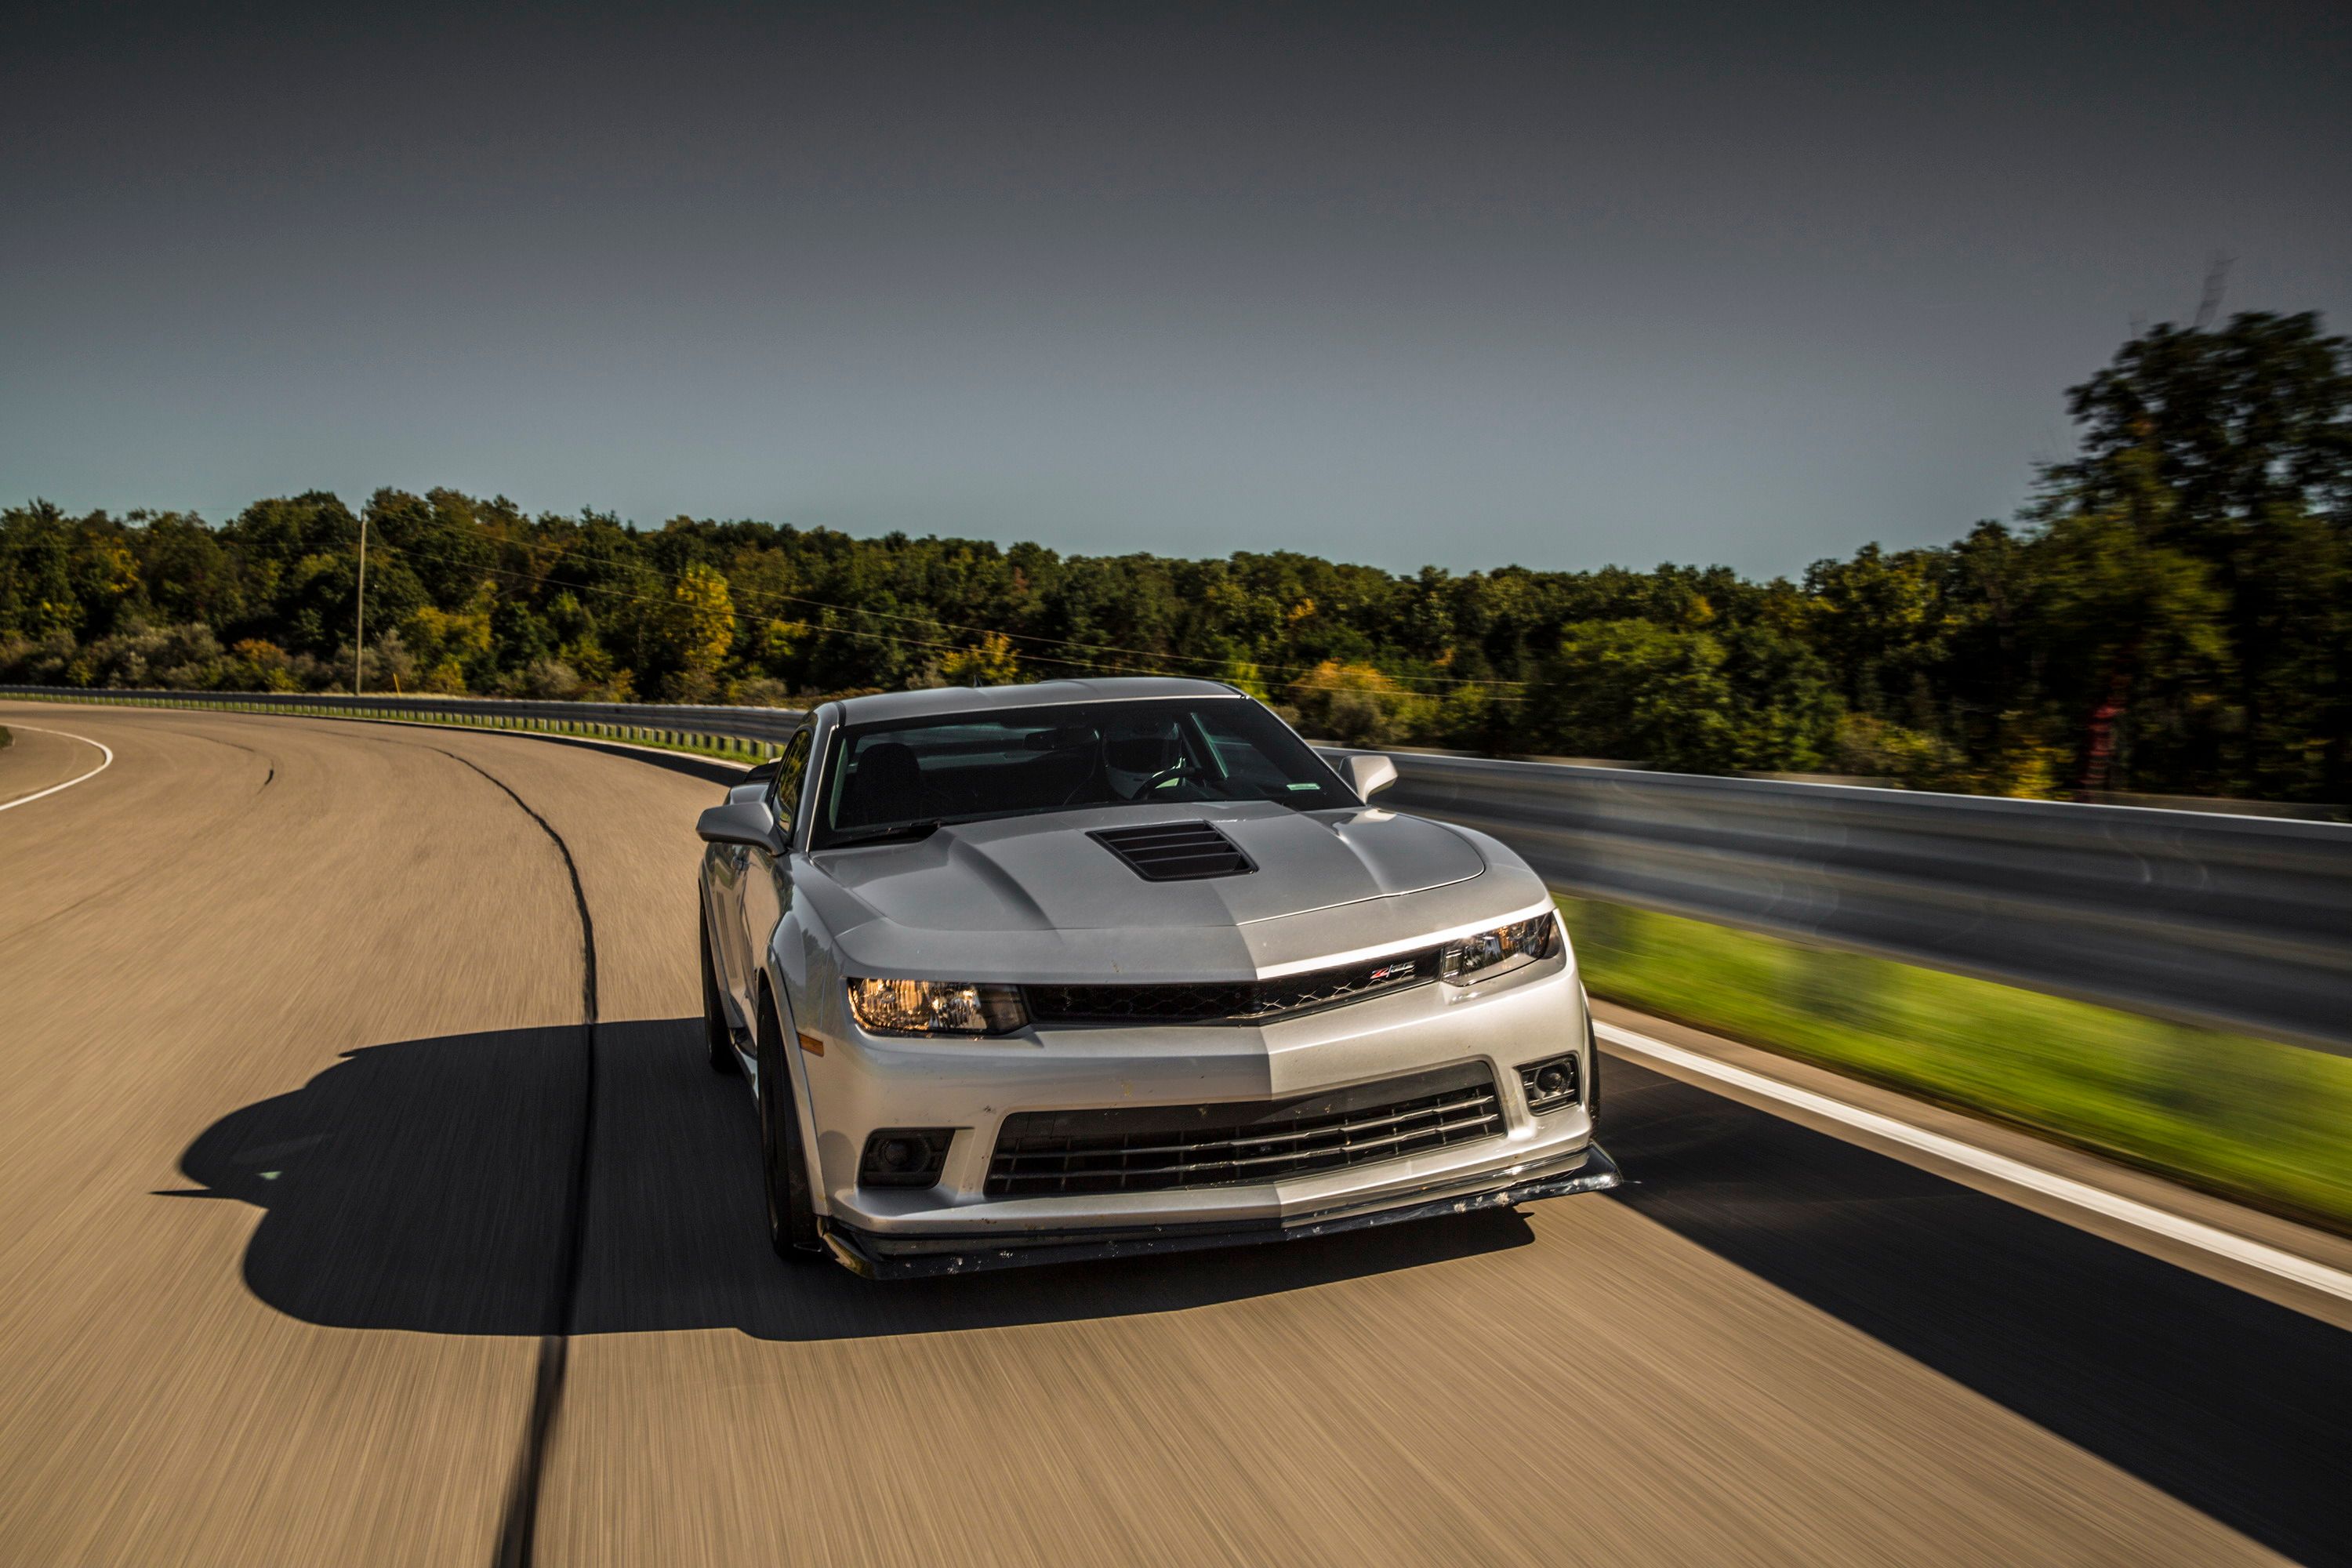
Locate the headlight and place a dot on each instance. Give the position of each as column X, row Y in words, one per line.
column 935, row 1008
column 1500, row 950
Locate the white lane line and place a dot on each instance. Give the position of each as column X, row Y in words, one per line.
column 53, row 789
column 2206, row 1238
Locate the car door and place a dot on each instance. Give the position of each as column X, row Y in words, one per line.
column 764, row 885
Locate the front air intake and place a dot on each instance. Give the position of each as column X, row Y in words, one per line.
column 905, row 1157
column 1549, row 1084
column 1175, row 851
column 1155, row 1148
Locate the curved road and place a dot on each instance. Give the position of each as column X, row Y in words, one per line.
column 368, row 1202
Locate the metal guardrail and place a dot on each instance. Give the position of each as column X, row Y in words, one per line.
column 762, row 726
column 2242, row 922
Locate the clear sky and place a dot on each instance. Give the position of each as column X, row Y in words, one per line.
column 1471, row 283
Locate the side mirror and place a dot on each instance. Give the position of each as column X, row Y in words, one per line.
column 1367, row 773
column 741, row 822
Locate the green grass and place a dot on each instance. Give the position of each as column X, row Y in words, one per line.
column 2250, row 1119
column 7, row 739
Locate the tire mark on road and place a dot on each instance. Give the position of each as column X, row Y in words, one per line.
column 267, row 779
column 518, row 1521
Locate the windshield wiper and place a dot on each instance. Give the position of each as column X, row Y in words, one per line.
column 905, row 830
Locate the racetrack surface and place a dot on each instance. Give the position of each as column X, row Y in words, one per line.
column 321, row 1182
column 40, row 763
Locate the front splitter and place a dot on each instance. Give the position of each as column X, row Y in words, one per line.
column 874, row 1256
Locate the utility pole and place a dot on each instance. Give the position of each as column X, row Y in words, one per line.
column 358, row 637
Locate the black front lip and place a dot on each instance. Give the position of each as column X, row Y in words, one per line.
column 875, row 1255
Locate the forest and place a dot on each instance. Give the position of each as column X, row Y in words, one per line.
column 2170, row 615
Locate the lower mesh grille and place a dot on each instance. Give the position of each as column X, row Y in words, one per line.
column 1152, row 1148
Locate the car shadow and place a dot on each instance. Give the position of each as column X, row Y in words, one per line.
column 2236, row 1406
column 427, row 1185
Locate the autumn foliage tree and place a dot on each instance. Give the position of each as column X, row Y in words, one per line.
column 694, row 634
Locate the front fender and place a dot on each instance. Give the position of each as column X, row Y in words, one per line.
column 716, row 885
column 786, row 969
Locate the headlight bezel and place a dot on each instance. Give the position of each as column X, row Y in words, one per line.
column 1502, row 950
column 896, row 1008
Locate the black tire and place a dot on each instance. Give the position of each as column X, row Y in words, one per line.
column 715, row 1032
column 1593, row 1074
column 793, row 1229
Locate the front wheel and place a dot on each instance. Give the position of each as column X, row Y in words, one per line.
column 792, row 1205
column 715, row 1035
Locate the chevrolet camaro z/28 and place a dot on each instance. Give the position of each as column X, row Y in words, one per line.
column 1028, row 974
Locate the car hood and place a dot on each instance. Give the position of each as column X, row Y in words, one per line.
column 1045, row 874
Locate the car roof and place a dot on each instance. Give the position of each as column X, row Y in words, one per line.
column 939, row 701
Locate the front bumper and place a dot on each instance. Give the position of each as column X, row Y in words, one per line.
column 877, row 1256
column 860, row 1083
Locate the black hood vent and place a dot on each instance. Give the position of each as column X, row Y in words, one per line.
column 1175, row 851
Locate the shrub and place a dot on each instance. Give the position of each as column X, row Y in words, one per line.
column 1356, row 705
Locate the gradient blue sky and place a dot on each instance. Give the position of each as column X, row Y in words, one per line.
column 1470, row 284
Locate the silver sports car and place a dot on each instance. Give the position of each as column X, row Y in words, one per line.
column 1036, row 973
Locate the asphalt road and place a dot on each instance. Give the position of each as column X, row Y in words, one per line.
column 38, row 762
column 367, row 1201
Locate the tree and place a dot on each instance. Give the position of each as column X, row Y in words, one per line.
column 2247, row 431
column 698, row 628
column 1639, row 691
column 1786, row 707
column 988, row 662
column 2236, row 420
column 2134, row 625
column 1357, row 705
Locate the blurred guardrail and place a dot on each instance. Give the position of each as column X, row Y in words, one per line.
column 2242, row 922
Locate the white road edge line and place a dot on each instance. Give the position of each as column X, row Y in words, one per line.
column 2208, row 1239
column 53, row 789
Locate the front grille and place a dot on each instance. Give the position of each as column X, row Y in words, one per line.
column 1228, row 1002
column 1152, row 1148
column 1175, row 851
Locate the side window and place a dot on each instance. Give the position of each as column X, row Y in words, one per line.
column 784, row 792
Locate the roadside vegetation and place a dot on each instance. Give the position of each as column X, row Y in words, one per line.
column 2173, row 614
column 2248, row 1119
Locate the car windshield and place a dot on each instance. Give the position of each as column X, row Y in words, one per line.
column 904, row 777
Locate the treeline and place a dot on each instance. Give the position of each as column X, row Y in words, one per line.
column 2173, row 614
